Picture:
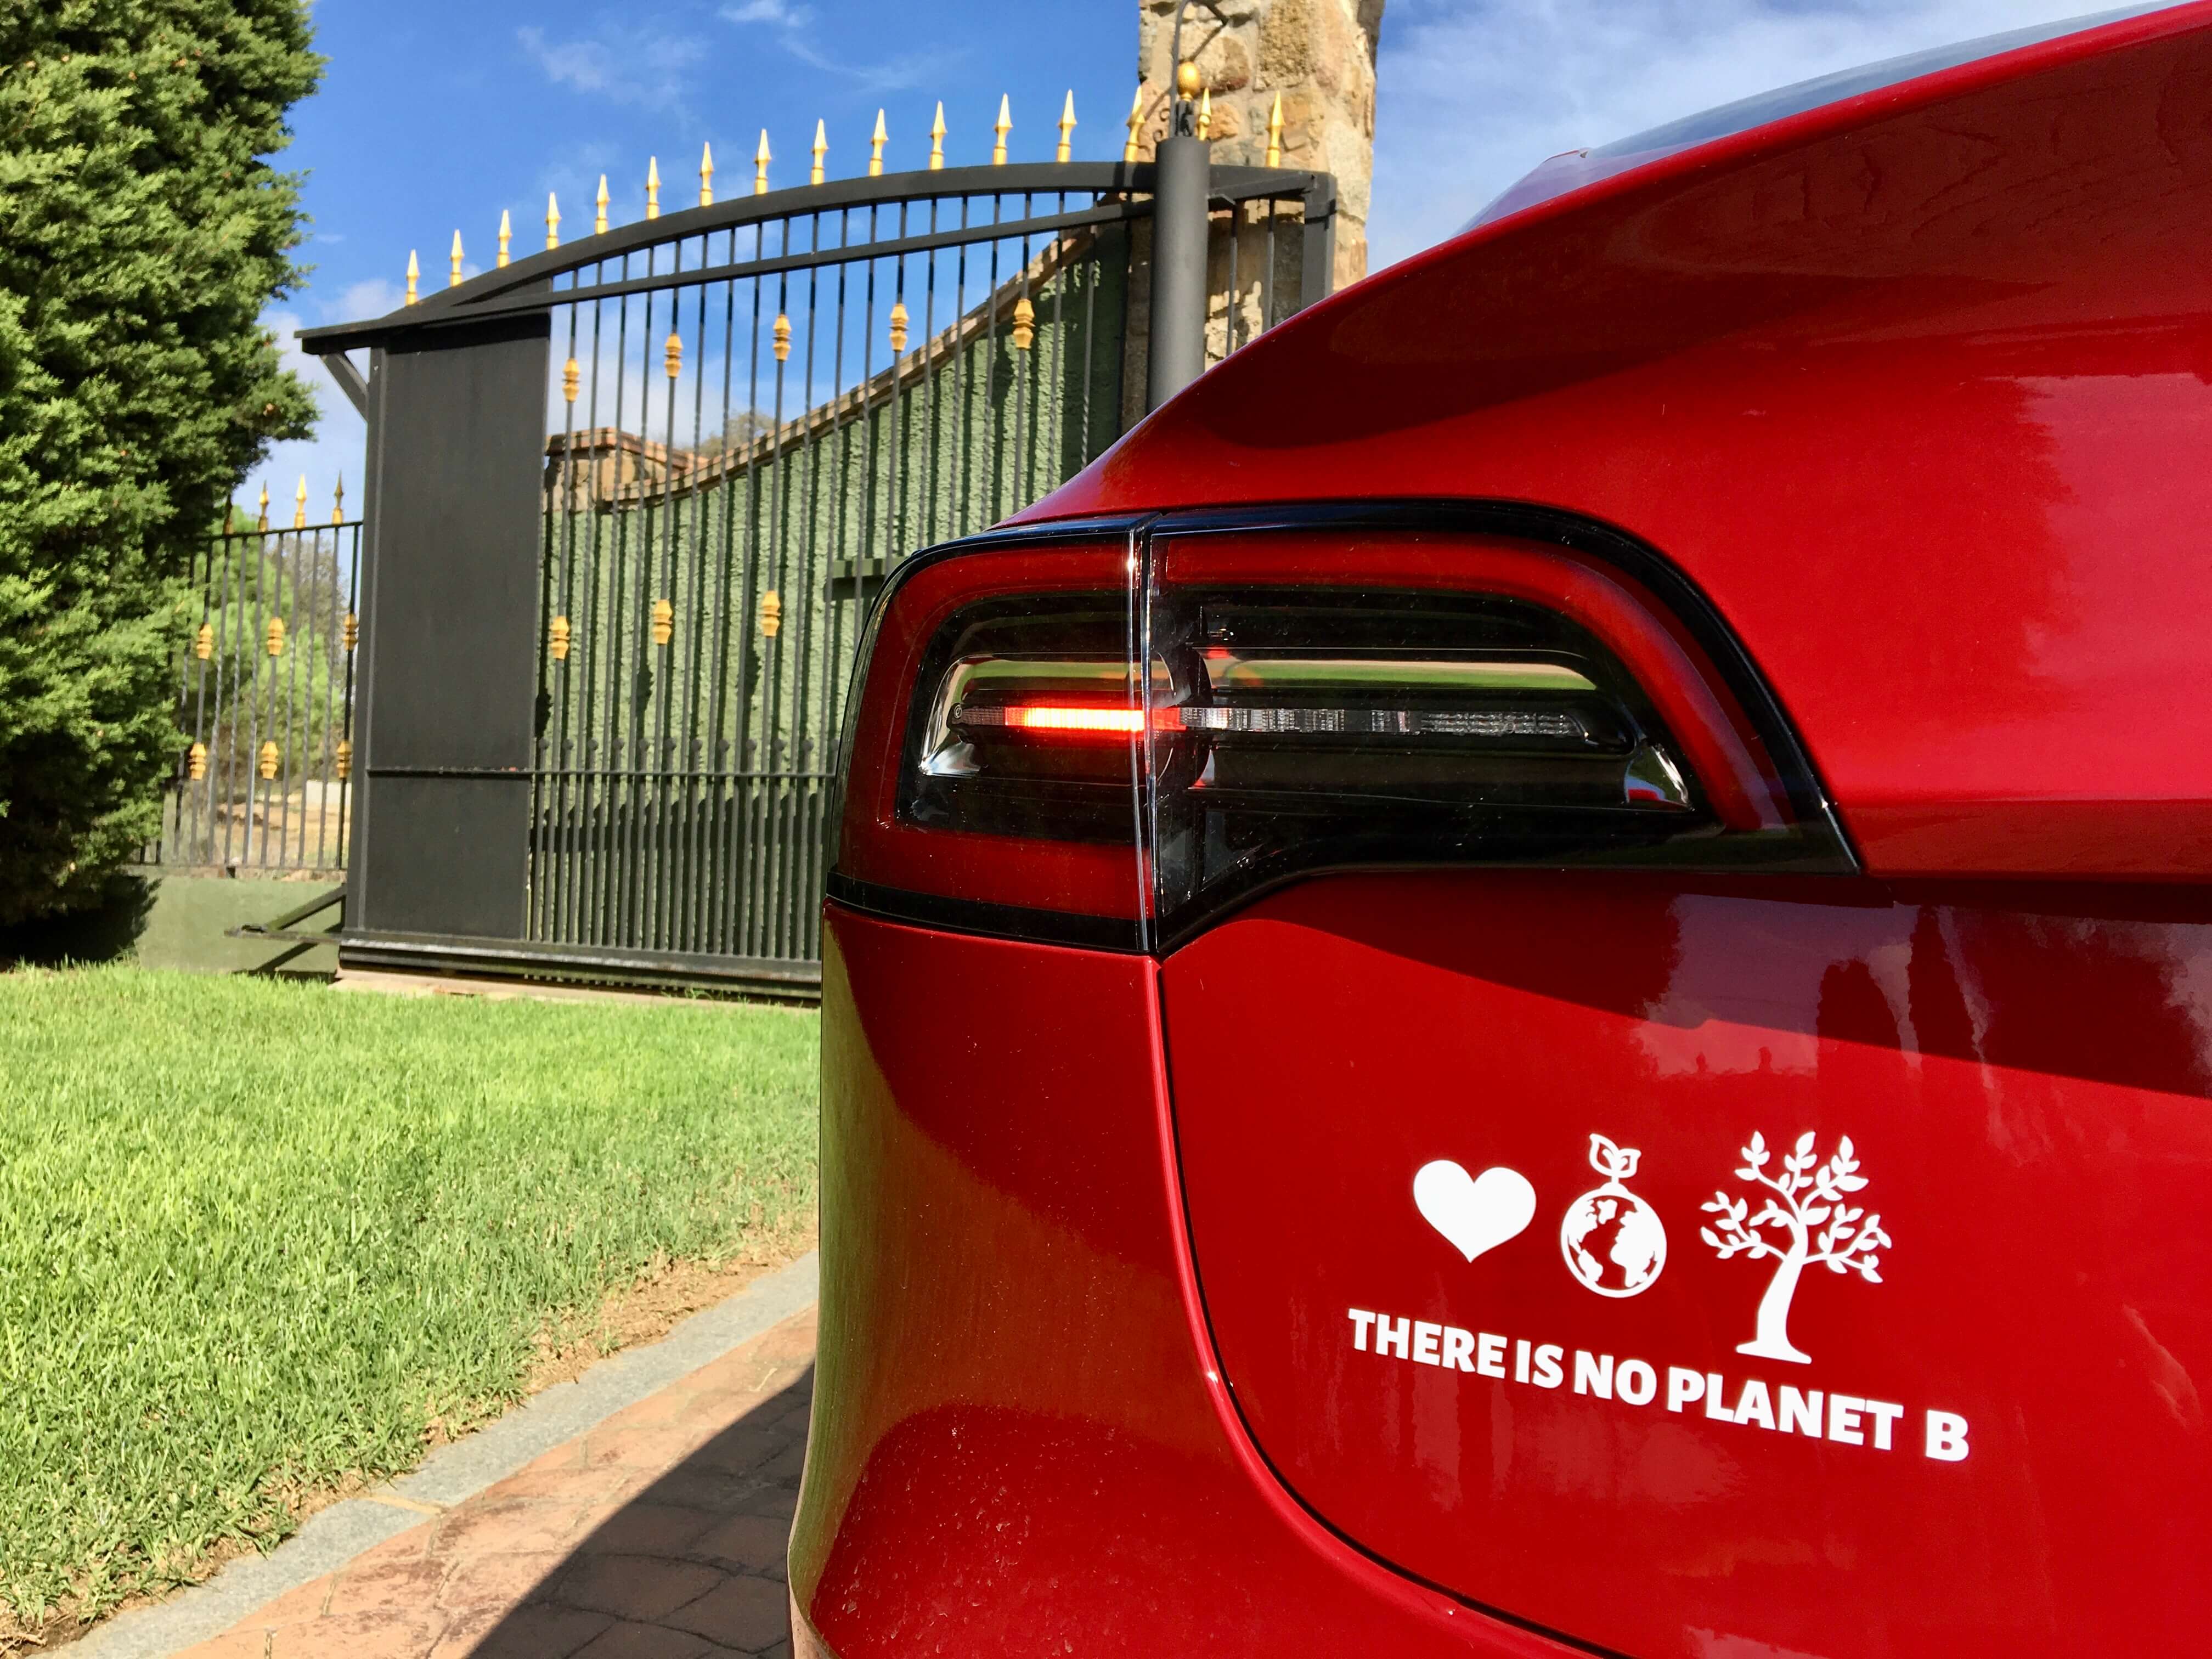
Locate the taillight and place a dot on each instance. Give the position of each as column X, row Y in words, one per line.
column 1218, row 709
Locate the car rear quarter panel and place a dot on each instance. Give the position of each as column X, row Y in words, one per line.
column 1020, row 1437
column 1916, row 388
column 2022, row 1074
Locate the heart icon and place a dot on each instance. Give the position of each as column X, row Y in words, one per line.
column 1475, row 1213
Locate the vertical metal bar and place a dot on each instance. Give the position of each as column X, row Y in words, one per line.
column 997, row 342
column 586, row 914
column 1061, row 246
column 308, row 637
column 660, row 848
column 222, row 742
column 840, row 481
column 749, row 661
column 1317, row 259
column 964, row 429
column 932, row 432
column 1096, row 270
column 721, row 748
column 353, row 605
column 718, row 697
column 685, row 931
column 821, row 602
column 201, row 728
column 1267, row 319
column 289, row 756
column 772, row 650
column 614, row 861
column 562, row 677
column 257, row 846
column 1235, row 293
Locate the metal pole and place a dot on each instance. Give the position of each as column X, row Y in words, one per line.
column 1179, row 238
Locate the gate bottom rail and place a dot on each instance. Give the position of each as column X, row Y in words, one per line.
column 764, row 976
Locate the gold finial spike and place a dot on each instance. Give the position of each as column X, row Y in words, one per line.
column 552, row 219
column 1067, row 128
column 821, row 149
column 273, row 637
column 1136, row 121
column 1276, row 133
column 672, row 354
column 1001, row 127
column 262, row 523
column 876, row 140
column 270, row 757
column 1025, row 324
column 338, row 501
column 782, row 332
column 653, row 186
column 300, row 504
column 761, row 159
column 414, row 275
column 706, row 175
column 599, row 224
column 1188, row 80
column 898, row 326
column 454, row 260
column 664, row 622
column 1205, row 111
column 572, row 377
column 506, row 233
column 203, row 641
column 937, row 141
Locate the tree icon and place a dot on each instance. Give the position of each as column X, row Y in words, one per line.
column 1803, row 1199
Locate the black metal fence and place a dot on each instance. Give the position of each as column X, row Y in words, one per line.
column 745, row 414
column 265, row 704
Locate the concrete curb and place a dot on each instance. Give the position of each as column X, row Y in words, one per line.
column 454, row 1474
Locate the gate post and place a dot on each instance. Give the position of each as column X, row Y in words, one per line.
column 1181, row 224
column 445, row 721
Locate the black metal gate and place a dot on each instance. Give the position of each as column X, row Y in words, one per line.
column 611, row 754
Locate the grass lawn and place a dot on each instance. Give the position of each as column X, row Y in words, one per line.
column 256, row 1236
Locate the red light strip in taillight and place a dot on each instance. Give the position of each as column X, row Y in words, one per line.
column 1055, row 717
column 1089, row 719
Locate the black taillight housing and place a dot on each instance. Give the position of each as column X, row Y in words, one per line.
column 1224, row 705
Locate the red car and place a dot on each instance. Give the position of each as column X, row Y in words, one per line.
column 1537, row 975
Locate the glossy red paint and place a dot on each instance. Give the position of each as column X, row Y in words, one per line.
column 1020, row 1437
column 1912, row 389
column 1915, row 387
column 2023, row 1075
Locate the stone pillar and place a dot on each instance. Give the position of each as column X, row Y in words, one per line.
column 1319, row 55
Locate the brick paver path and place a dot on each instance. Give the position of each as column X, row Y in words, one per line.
column 659, row 1533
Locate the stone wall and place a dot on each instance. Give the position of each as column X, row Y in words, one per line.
column 1319, row 55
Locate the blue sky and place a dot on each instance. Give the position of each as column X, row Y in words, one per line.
column 436, row 115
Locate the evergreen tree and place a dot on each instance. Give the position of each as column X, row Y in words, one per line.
column 142, row 233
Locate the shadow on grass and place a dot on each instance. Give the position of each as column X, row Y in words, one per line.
column 691, row 1565
column 106, row 933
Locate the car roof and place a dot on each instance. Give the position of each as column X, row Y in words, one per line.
column 1577, row 167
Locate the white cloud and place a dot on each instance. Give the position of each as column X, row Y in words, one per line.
column 792, row 22
column 1473, row 94
column 781, row 13
column 341, row 440
column 373, row 296
column 656, row 72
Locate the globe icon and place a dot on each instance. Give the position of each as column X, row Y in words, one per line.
column 1613, row 1242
